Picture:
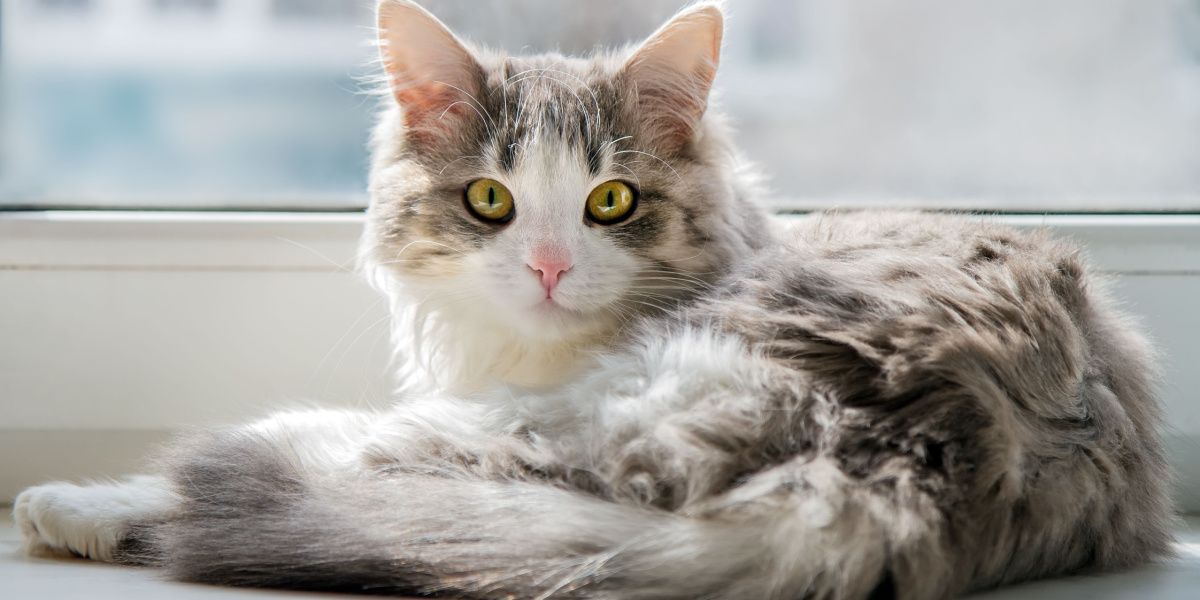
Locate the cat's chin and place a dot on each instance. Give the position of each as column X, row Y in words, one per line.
column 553, row 322
column 552, row 309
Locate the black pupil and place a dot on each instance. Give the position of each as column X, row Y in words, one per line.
column 491, row 196
column 612, row 201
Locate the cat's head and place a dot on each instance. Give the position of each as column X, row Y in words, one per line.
column 548, row 200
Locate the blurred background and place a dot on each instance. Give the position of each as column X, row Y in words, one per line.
column 1019, row 105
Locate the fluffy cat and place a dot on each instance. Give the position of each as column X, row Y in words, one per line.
column 625, row 381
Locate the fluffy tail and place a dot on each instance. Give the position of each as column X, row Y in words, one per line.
column 258, row 520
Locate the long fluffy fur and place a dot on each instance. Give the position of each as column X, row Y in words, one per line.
column 860, row 405
column 965, row 410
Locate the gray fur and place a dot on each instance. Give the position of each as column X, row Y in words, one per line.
column 857, row 405
column 584, row 105
column 989, row 415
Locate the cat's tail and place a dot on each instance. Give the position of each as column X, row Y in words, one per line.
column 255, row 520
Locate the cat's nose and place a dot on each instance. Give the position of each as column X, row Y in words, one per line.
column 550, row 272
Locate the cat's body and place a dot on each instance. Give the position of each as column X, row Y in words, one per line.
column 842, row 406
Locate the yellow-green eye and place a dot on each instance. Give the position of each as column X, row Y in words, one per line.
column 490, row 201
column 611, row 202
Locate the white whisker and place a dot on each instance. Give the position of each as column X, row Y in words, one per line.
column 667, row 164
column 482, row 115
column 447, row 165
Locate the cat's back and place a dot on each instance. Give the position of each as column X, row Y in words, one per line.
column 876, row 265
column 903, row 253
column 1000, row 343
column 886, row 303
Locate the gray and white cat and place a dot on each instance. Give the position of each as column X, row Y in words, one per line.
column 625, row 381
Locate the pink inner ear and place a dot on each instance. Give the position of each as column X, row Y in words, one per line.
column 673, row 73
column 426, row 63
column 432, row 108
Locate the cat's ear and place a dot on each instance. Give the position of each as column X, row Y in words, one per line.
column 432, row 74
column 673, row 72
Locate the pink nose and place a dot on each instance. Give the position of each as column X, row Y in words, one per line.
column 550, row 272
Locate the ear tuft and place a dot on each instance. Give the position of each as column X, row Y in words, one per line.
column 673, row 72
column 432, row 74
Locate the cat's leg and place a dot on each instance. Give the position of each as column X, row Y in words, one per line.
column 91, row 520
column 439, row 502
column 100, row 520
column 803, row 530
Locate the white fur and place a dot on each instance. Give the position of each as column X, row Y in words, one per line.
column 484, row 321
column 88, row 520
column 64, row 518
column 488, row 322
column 491, row 317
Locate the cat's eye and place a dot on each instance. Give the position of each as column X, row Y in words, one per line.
column 489, row 201
column 611, row 202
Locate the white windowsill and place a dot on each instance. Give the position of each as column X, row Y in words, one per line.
column 1135, row 244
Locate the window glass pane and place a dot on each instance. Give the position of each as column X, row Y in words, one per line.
column 1036, row 105
column 185, row 103
column 190, row 7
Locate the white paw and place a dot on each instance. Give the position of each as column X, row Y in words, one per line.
column 60, row 519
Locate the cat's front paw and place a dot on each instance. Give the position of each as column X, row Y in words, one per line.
column 63, row 519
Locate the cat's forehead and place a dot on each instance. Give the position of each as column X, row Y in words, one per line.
column 565, row 75
column 553, row 99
